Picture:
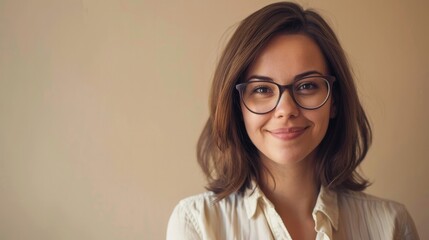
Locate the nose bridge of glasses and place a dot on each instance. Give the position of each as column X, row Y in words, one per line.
column 282, row 97
column 286, row 88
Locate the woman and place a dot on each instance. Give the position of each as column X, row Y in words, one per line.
column 285, row 135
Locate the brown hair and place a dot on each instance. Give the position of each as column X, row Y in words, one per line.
column 226, row 154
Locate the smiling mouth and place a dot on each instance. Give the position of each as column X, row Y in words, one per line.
column 288, row 133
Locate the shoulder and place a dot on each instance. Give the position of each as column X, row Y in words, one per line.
column 366, row 198
column 363, row 202
column 205, row 203
column 377, row 211
column 196, row 202
column 182, row 222
column 194, row 216
column 370, row 202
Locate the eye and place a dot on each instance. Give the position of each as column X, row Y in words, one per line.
column 262, row 89
column 309, row 86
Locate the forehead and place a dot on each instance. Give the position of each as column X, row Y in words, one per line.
column 286, row 56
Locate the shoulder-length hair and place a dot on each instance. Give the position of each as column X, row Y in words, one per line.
column 225, row 153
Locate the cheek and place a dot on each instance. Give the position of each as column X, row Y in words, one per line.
column 320, row 118
column 253, row 122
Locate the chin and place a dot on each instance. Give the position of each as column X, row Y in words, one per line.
column 288, row 158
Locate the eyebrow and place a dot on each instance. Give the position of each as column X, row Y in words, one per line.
column 305, row 74
column 299, row 76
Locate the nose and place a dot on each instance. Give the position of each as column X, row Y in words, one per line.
column 286, row 107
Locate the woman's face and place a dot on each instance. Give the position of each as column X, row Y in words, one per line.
column 288, row 134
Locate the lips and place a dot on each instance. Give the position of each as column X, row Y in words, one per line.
column 287, row 133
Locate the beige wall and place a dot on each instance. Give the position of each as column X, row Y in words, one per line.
column 101, row 104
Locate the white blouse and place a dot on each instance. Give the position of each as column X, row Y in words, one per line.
column 342, row 215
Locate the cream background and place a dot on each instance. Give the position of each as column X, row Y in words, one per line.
column 102, row 102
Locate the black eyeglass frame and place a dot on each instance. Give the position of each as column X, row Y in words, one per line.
column 329, row 80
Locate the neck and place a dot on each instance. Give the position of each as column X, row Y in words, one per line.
column 292, row 189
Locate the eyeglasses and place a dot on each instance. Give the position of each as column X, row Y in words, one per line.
column 262, row 96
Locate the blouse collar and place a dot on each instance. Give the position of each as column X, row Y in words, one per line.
column 326, row 207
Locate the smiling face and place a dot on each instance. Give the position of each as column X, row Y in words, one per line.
column 288, row 134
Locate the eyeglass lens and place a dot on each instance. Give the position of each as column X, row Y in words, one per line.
column 263, row 96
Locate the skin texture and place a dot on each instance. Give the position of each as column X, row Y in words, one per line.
column 288, row 136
